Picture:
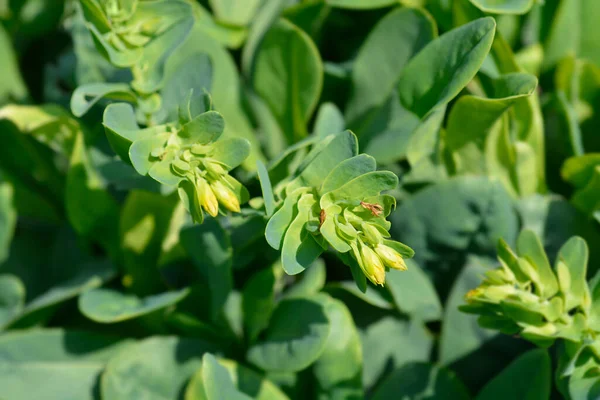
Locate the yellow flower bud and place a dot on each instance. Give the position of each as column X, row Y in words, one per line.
column 206, row 197
column 372, row 266
column 226, row 196
column 390, row 257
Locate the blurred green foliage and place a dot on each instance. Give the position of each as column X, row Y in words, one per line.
column 124, row 123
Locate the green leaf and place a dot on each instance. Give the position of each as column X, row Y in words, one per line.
column 33, row 174
column 231, row 151
column 266, row 188
column 140, row 152
column 280, row 221
column 144, row 223
column 347, row 170
column 364, row 186
column 54, row 364
column 85, row 96
column 230, row 36
column 203, row 129
column 266, row 16
column 555, row 221
column 289, row 77
column 89, row 276
column 413, row 293
column 122, row 129
column 324, row 157
column 258, row 302
column 528, row 377
column 225, row 89
column 156, row 368
column 461, row 335
column 8, row 219
column 338, row 370
column 571, row 270
column 474, row 214
column 310, row 282
column 411, row 342
column 235, row 12
column 583, row 383
column 484, row 112
column 12, row 297
column 572, row 30
column 42, row 123
column 396, row 38
column 417, row 380
column 299, row 248
column 296, row 336
column 217, row 381
column 148, row 71
column 243, row 379
column 209, row 246
column 11, row 85
column 342, row 290
column 504, row 6
column 329, row 120
column 186, row 74
column 110, row 306
column 445, row 66
column 91, row 209
column 530, row 247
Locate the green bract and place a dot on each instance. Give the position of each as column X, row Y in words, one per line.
column 335, row 199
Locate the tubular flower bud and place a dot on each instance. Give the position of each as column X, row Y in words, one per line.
column 373, row 267
column 226, row 196
column 390, row 257
column 206, row 197
column 371, row 233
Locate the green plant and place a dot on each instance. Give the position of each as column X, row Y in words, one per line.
column 185, row 212
column 525, row 296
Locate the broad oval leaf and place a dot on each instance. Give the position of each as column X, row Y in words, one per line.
column 289, row 76
column 445, row 66
column 338, row 370
column 413, row 293
column 110, row 306
column 396, row 38
column 241, row 378
column 155, row 369
column 54, row 364
column 295, row 338
column 89, row 276
column 528, row 377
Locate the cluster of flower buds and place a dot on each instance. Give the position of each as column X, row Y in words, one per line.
column 189, row 154
column 363, row 230
column 526, row 296
column 336, row 201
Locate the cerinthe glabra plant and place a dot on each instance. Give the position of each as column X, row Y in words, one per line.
column 334, row 199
